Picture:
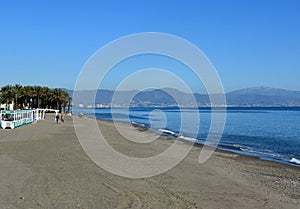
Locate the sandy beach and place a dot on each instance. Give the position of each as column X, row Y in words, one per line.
column 44, row 166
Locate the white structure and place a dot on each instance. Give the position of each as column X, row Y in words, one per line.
column 40, row 113
column 13, row 119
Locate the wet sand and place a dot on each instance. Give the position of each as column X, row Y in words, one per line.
column 44, row 166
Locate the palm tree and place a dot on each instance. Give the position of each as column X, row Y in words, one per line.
column 45, row 97
column 7, row 95
column 55, row 97
column 17, row 90
column 36, row 97
column 27, row 95
column 69, row 103
column 60, row 97
column 64, row 99
column 38, row 94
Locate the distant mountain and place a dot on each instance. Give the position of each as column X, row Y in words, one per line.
column 256, row 96
column 263, row 96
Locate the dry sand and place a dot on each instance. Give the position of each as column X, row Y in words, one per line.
column 44, row 166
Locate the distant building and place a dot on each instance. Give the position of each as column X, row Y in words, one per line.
column 102, row 106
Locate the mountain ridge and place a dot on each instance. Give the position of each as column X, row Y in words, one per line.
column 260, row 96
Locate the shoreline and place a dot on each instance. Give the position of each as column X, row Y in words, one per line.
column 44, row 166
column 234, row 151
column 201, row 107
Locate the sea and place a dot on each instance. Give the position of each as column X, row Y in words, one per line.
column 269, row 133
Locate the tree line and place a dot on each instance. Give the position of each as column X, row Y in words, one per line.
column 30, row 97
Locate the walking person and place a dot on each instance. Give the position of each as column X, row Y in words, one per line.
column 57, row 118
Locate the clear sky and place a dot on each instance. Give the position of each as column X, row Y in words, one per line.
column 250, row 42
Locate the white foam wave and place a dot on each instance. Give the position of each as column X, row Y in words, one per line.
column 295, row 160
column 190, row 139
column 166, row 131
column 267, row 153
column 138, row 124
column 179, row 136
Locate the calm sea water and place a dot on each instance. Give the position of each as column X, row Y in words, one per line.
column 268, row 133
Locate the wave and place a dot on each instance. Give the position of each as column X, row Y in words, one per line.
column 244, row 149
column 230, row 146
column 265, row 152
column 168, row 132
column 177, row 135
column 186, row 138
column 138, row 124
column 295, row 161
column 237, row 148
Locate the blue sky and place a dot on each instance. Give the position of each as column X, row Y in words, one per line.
column 250, row 42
